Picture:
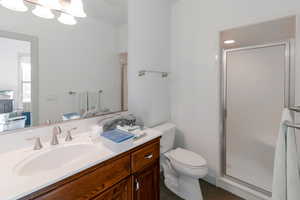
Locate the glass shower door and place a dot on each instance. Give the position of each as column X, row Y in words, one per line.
column 255, row 95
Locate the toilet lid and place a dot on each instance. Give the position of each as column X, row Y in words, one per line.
column 187, row 157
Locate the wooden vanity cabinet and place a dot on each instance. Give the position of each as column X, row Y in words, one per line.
column 145, row 172
column 144, row 157
column 121, row 191
column 133, row 175
column 146, row 183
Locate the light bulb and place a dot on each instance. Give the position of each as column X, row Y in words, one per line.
column 16, row 5
column 67, row 19
column 43, row 12
column 53, row 4
column 76, row 8
column 229, row 41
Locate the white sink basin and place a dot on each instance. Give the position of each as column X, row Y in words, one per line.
column 58, row 157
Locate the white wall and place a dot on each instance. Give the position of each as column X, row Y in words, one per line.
column 78, row 58
column 123, row 38
column 195, row 70
column 149, row 47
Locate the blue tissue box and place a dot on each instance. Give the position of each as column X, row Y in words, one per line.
column 117, row 135
column 117, row 140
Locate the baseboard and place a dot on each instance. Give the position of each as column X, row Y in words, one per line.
column 239, row 190
column 210, row 179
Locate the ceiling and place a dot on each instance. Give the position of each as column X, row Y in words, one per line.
column 113, row 11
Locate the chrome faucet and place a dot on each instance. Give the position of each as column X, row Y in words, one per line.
column 37, row 144
column 56, row 131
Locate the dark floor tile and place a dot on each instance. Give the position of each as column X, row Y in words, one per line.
column 210, row 192
column 165, row 193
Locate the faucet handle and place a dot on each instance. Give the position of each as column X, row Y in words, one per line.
column 69, row 135
column 37, row 144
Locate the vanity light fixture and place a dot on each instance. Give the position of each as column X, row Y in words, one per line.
column 76, row 8
column 43, row 12
column 54, row 4
column 68, row 9
column 15, row 5
column 229, row 41
column 67, row 19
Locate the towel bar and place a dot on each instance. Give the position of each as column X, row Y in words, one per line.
column 295, row 108
column 289, row 124
column 143, row 73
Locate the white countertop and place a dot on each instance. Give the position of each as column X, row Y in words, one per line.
column 14, row 186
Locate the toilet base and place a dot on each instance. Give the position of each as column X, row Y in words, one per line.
column 189, row 188
column 185, row 187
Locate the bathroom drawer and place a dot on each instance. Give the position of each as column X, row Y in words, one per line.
column 92, row 184
column 144, row 156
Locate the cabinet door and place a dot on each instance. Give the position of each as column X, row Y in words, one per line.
column 146, row 183
column 121, row 191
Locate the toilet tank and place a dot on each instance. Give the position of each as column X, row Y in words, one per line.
column 168, row 137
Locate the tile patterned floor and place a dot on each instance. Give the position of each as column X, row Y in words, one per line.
column 210, row 192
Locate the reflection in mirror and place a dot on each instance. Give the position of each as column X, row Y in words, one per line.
column 15, row 84
column 51, row 72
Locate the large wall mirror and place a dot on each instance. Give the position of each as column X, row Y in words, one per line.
column 53, row 72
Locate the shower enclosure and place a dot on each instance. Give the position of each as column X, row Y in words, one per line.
column 257, row 83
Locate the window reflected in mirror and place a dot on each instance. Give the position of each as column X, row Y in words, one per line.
column 15, row 84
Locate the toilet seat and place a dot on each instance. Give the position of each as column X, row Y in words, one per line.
column 187, row 158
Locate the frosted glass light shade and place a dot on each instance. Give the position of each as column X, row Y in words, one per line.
column 76, row 8
column 16, row 5
column 43, row 12
column 67, row 19
column 53, row 4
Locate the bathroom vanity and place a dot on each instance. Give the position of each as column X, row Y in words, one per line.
column 133, row 174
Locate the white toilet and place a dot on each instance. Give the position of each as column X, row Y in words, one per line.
column 182, row 168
